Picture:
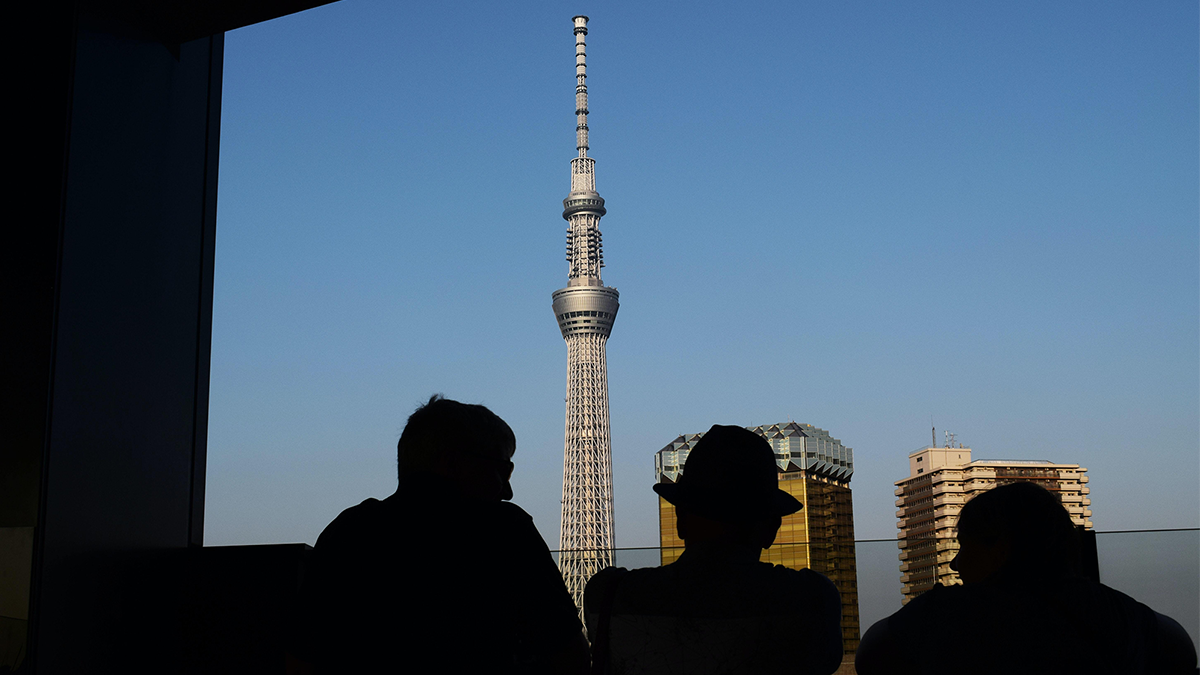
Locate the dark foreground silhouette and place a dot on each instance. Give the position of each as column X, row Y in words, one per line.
column 445, row 575
column 718, row 609
column 1023, row 606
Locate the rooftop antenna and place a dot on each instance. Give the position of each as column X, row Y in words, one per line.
column 933, row 430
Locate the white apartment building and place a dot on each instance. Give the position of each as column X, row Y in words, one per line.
column 940, row 481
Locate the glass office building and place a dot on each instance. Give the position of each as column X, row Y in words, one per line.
column 815, row 468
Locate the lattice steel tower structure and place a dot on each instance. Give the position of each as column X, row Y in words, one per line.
column 585, row 310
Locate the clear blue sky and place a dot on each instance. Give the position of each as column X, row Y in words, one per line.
column 854, row 215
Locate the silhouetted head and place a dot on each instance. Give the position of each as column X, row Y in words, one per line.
column 1018, row 530
column 464, row 442
column 729, row 489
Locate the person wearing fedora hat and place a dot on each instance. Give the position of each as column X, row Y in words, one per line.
column 718, row 608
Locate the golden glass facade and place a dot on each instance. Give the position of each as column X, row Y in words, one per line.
column 819, row 537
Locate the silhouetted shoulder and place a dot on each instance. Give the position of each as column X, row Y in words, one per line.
column 351, row 525
column 512, row 530
column 703, row 614
column 601, row 587
column 511, row 511
column 418, row 553
column 682, row 588
column 815, row 590
column 804, row 578
column 1062, row 626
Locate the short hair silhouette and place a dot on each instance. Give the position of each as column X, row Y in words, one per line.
column 442, row 425
column 1041, row 538
column 1025, row 608
column 388, row 583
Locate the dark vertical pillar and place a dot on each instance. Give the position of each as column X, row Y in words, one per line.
column 123, row 275
column 108, row 259
column 30, row 266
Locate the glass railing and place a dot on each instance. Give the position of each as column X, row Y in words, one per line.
column 1160, row 568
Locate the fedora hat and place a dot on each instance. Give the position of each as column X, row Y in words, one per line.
column 730, row 475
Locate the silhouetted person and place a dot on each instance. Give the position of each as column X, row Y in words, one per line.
column 1022, row 606
column 445, row 575
column 717, row 609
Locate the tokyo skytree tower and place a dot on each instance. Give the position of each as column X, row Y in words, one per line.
column 585, row 310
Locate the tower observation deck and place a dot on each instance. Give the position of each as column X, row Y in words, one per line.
column 585, row 311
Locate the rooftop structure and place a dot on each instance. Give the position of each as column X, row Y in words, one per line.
column 798, row 447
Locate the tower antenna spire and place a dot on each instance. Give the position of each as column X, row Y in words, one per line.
column 581, row 99
column 585, row 311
